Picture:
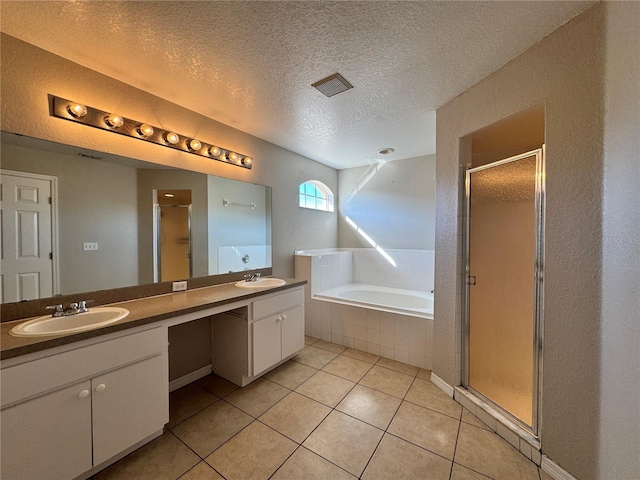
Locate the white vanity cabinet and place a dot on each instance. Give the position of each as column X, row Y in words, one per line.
column 277, row 329
column 66, row 413
column 247, row 344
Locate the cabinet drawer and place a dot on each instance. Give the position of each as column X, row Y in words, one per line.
column 45, row 374
column 278, row 303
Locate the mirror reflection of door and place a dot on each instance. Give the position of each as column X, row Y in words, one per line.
column 27, row 236
column 174, row 228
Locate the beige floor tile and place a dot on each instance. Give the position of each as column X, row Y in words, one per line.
column 290, row 374
column 315, row 357
column 325, row 388
column 165, row 458
column 209, row 429
column 187, row 401
column 471, row 419
column 257, row 397
column 310, row 340
column 487, row 453
column 306, row 465
column 360, row 355
column 463, row 473
column 426, row 394
column 201, row 471
column 395, row 458
column 347, row 367
column 345, row 441
column 295, row 416
column 428, row 429
column 387, row 381
column 424, row 374
column 217, row 385
column 371, row 406
column 398, row 366
column 255, row 453
column 332, row 347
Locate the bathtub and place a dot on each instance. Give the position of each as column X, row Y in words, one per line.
column 386, row 299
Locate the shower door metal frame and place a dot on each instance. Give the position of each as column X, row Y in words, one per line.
column 538, row 286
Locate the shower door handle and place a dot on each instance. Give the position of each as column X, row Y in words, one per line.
column 471, row 279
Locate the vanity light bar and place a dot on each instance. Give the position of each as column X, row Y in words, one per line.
column 80, row 113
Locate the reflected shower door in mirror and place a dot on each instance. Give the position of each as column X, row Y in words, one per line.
column 173, row 235
column 104, row 223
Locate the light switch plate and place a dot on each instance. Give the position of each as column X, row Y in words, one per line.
column 179, row 286
column 88, row 246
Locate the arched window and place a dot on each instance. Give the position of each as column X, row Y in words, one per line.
column 316, row 195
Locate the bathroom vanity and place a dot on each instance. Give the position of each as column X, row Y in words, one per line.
column 74, row 404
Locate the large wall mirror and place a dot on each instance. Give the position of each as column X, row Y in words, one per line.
column 116, row 222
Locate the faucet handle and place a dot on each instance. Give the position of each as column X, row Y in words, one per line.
column 82, row 305
column 58, row 310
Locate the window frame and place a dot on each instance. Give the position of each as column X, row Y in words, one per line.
column 320, row 191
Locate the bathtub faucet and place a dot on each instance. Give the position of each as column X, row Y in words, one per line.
column 251, row 278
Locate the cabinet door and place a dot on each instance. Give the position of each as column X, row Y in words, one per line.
column 129, row 404
column 292, row 331
column 49, row 436
column 266, row 343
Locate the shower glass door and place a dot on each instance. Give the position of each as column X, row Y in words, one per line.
column 504, row 262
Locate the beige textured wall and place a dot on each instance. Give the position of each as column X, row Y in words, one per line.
column 566, row 71
column 30, row 73
column 107, row 190
column 394, row 203
column 620, row 321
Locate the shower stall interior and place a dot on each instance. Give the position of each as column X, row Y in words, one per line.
column 504, row 272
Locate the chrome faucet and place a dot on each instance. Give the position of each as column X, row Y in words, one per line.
column 251, row 278
column 72, row 309
column 58, row 310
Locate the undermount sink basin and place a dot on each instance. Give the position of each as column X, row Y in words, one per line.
column 47, row 325
column 262, row 283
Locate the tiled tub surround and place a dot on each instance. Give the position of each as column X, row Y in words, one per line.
column 330, row 413
column 394, row 335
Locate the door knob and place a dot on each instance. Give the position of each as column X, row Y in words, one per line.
column 101, row 387
column 83, row 394
column 284, row 317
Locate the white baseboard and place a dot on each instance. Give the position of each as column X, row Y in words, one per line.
column 554, row 470
column 189, row 377
column 442, row 385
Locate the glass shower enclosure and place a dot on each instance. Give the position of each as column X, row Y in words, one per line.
column 504, row 253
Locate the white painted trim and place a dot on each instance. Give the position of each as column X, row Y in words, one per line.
column 554, row 470
column 442, row 385
column 189, row 378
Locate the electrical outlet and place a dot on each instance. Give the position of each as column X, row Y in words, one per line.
column 87, row 246
column 179, row 286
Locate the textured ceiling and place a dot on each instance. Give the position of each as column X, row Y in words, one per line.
column 251, row 64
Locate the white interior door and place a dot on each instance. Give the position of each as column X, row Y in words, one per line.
column 26, row 250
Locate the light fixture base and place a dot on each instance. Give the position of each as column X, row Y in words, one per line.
column 131, row 128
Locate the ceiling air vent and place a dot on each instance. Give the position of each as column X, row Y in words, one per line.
column 332, row 85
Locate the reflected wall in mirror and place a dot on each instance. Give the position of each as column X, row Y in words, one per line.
column 103, row 227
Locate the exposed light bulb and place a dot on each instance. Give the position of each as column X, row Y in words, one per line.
column 77, row 110
column 145, row 130
column 114, row 120
column 232, row 157
column 194, row 144
column 214, row 151
column 248, row 161
column 171, row 138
